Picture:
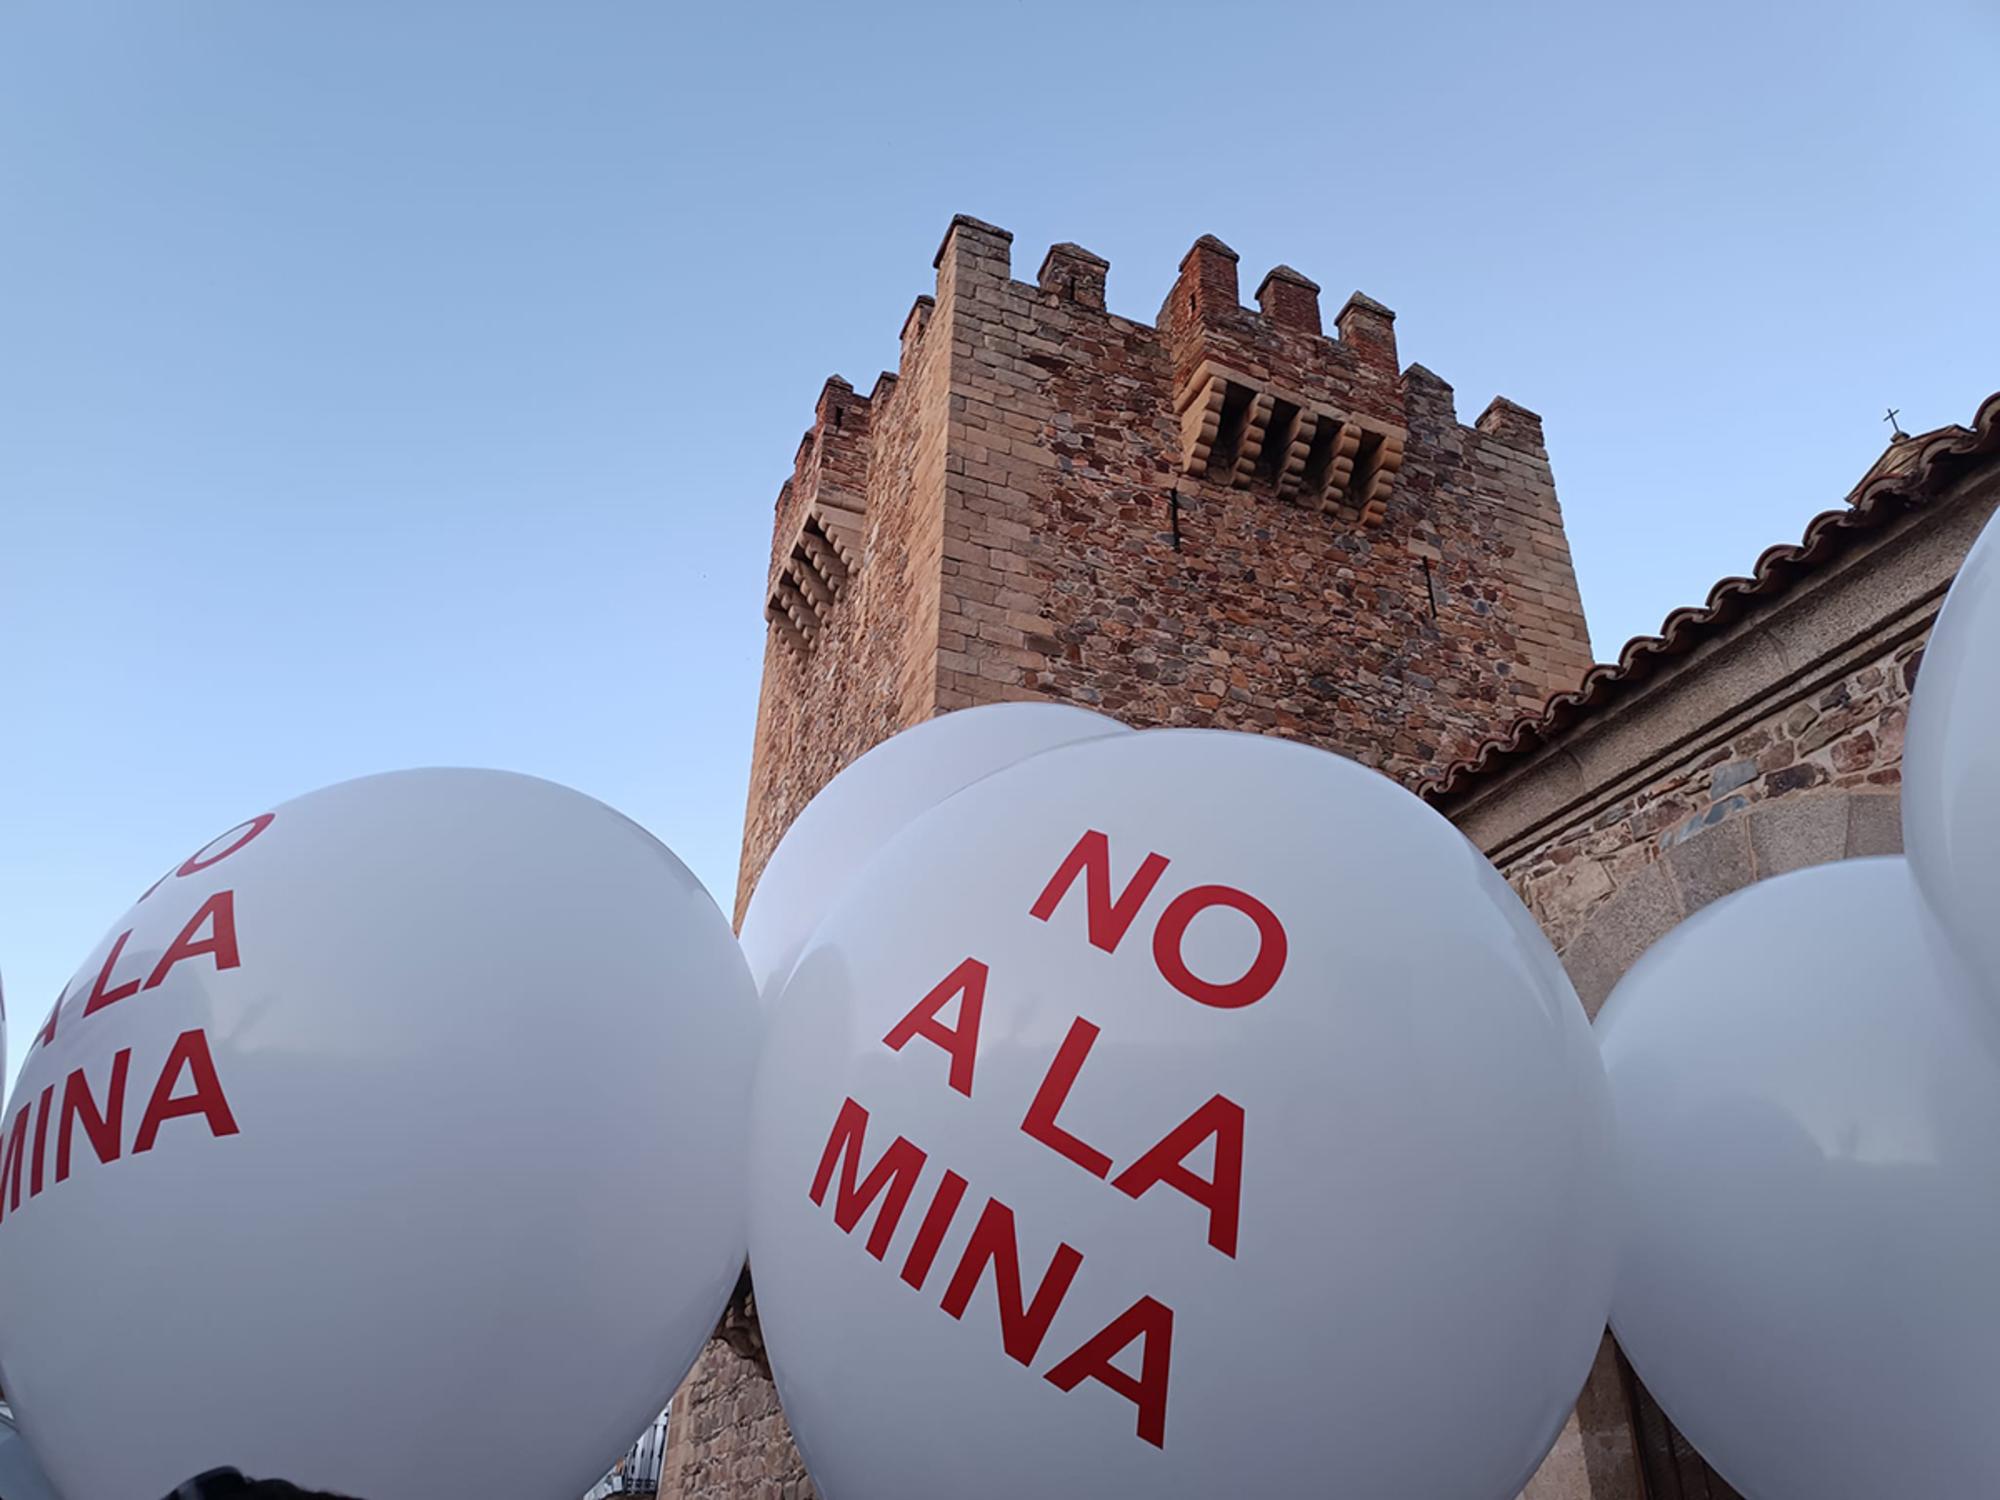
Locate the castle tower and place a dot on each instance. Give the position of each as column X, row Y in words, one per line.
column 1230, row 519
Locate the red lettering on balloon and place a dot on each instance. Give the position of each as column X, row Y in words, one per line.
column 1106, row 921
column 895, row 1175
column 1264, row 969
column 99, row 995
column 1024, row 1322
column 930, row 1233
column 41, row 1141
column 189, row 1054
column 12, row 1158
column 48, row 1032
column 1145, row 1319
column 101, row 1128
column 196, row 862
column 218, row 914
column 1166, row 1163
column 967, row 985
column 1022, row 1328
column 1040, row 1122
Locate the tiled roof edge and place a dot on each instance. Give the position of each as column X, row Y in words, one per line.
column 1941, row 457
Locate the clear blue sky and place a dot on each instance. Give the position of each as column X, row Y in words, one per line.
column 387, row 384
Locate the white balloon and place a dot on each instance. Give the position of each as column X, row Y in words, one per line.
column 1423, row 1245
column 1951, row 764
column 865, row 806
column 1809, row 1113
column 401, row 1088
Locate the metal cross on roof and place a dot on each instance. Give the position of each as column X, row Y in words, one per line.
column 1896, row 433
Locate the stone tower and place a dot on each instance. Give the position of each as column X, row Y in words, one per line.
column 1229, row 518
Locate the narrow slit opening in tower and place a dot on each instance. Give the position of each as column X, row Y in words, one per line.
column 1230, row 429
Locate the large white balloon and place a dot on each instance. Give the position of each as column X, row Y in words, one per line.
column 1274, row 1090
column 1951, row 764
column 396, row 1133
column 1809, row 1112
column 865, row 806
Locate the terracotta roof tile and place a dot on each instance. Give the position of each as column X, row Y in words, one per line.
column 1907, row 475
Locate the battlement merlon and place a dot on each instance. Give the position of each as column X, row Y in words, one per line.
column 1429, row 398
column 990, row 239
column 1072, row 272
column 1290, row 300
column 1513, row 424
column 972, row 250
column 1369, row 329
column 1205, row 290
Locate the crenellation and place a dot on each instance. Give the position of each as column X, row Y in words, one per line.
column 1205, row 291
column 1289, row 300
column 1511, row 423
column 1072, row 272
column 1429, row 398
column 1368, row 329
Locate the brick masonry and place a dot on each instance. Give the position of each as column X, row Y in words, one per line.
column 1228, row 518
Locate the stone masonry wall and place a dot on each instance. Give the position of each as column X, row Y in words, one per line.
column 1844, row 737
column 726, row 1436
